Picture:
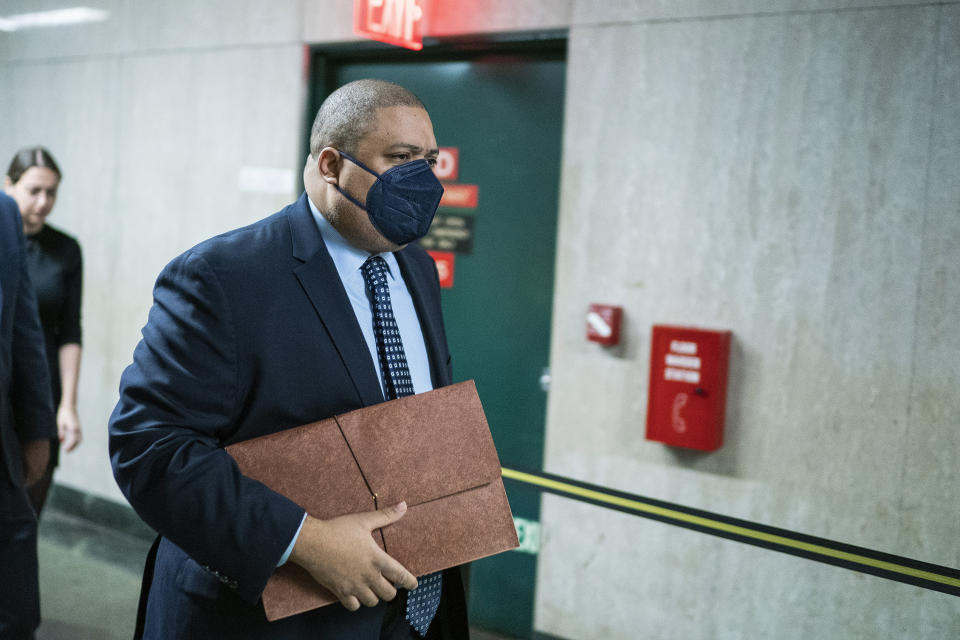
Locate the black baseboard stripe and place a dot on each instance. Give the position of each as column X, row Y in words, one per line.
column 877, row 563
column 114, row 515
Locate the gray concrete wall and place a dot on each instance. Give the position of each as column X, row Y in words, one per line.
column 153, row 115
column 785, row 169
column 790, row 176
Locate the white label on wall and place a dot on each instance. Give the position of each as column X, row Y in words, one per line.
column 690, row 362
column 528, row 531
column 679, row 346
column 266, row 180
column 683, row 375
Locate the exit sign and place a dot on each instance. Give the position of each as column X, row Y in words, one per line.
column 397, row 22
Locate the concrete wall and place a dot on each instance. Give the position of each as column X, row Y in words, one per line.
column 785, row 169
column 792, row 177
column 152, row 116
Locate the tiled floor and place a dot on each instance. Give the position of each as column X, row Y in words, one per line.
column 90, row 580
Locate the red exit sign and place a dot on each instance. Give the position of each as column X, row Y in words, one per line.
column 397, row 22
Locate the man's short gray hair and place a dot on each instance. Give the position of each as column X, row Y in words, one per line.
column 347, row 114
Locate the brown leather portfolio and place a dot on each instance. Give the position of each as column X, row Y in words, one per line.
column 432, row 450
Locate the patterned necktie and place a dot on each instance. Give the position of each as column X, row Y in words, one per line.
column 423, row 601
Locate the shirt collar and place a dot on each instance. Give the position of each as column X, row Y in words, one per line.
column 347, row 258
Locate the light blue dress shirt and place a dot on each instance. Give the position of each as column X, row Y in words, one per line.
column 348, row 260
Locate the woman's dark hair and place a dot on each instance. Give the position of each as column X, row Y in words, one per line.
column 31, row 157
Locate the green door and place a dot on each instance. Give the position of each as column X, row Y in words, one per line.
column 503, row 113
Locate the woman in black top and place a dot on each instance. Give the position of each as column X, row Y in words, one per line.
column 54, row 262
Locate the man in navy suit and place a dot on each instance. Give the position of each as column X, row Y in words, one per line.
column 269, row 327
column 27, row 426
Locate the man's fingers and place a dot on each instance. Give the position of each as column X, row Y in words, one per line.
column 342, row 555
column 384, row 590
column 368, row 598
column 350, row 603
column 398, row 576
column 368, row 595
column 388, row 515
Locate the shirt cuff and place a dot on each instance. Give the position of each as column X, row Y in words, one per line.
column 286, row 554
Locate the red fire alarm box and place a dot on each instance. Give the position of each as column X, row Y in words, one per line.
column 688, row 387
column 603, row 324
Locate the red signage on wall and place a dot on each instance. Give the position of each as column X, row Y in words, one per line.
column 603, row 324
column 688, row 387
column 448, row 163
column 397, row 22
column 461, row 196
column 444, row 261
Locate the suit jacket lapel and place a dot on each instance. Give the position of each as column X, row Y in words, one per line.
column 320, row 281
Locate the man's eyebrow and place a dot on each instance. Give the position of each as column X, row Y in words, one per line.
column 412, row 148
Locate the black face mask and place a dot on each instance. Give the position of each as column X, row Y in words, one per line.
column 403, row 200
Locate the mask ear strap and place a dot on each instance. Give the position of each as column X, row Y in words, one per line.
column 359, row 164
column 362, row 166
column 350, row 197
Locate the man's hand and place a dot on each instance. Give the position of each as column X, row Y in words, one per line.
column 36, row 457
column 341, row 555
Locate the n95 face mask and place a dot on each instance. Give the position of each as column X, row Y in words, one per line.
column 402, row 202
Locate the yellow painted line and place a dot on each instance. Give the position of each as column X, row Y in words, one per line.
column 635, row 505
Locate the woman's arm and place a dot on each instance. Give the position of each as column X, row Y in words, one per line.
column 68, row 422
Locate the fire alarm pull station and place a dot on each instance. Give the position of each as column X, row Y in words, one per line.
column 688, row 387
column 603, row 324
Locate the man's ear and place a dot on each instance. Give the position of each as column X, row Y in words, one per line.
column 7, row 184
column 329, row 163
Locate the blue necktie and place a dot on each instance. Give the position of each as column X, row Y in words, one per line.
column 423, row 601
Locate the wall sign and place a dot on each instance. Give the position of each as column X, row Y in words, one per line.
column 528, row 533
column 448, row 163
column 603, row 324
column 453, row 233
column 396, row 22
column 444, row 261
column 688, row 386
column 460, row 196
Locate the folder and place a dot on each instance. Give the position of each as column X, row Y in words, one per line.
column 433, row 450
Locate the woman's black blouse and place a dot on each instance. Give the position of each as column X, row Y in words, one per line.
column 56, row 268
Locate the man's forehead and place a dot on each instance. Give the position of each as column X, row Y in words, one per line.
column 400, row 128
column 397, row 115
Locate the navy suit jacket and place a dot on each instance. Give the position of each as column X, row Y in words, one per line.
column 26, row 409
column 251, row 332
